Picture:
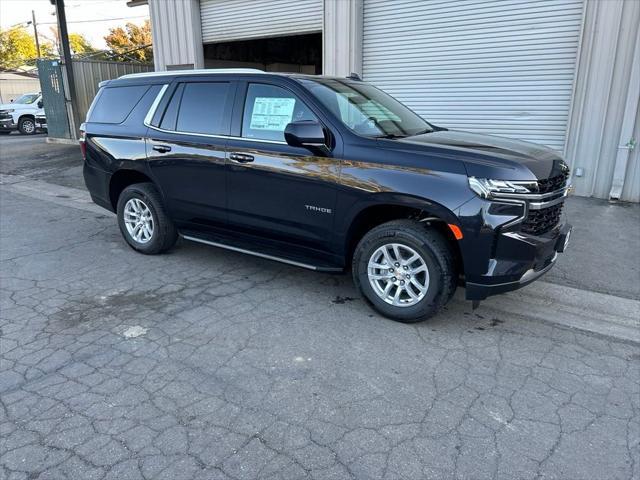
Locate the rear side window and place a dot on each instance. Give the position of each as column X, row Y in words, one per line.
column 114, row 104
column 171, row 113
column 202, row 108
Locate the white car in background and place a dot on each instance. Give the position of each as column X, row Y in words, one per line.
column 21, row 114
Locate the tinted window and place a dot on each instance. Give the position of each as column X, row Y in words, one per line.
column 269, row 109
column 115, row 104
column 365, row 109
column 202, row 108
column 171, row 113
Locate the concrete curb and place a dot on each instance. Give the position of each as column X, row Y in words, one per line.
column 572, row 307
column 65, row 196
column 62, row 141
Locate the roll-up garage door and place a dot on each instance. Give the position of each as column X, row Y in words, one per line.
column 503, row 67
column 228, row 20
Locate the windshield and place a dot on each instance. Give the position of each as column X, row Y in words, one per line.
column 27, row 99
column 365, row 109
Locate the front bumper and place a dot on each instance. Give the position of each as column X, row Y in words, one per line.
column 502, row 249
column 519, row 260
column 6, row 124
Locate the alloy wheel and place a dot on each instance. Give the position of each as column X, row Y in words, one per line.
column 138, row 220
column 398, row 275
column 28, row 126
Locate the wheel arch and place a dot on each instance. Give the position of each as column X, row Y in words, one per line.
column 395, row 207
column 26, row 115
column 123, row 178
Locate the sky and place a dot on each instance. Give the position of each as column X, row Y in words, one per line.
column 92, row 18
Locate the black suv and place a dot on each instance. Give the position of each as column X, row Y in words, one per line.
column 324, row 173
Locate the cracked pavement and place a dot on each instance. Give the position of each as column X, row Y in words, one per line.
column 207, row 364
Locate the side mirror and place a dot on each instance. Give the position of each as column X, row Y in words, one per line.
column 306, row 134
column 40, row 104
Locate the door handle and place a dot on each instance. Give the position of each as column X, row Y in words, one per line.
column 241, row 157
column 162, row 148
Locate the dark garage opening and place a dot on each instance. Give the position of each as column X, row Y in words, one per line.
column 296, row 53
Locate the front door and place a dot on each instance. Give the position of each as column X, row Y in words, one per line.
column 273, row 189
column 186, row 151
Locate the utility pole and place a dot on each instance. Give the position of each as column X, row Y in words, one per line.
column 66, row 59
column 35, row 31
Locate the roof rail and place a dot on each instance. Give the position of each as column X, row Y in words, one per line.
column 202, row 71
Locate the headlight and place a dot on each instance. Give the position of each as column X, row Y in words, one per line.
column 485, row 187
column 11, row 110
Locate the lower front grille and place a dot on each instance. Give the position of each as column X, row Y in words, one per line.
column 539, row 222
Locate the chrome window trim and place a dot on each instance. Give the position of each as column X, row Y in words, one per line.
column 210, row 135
column 154, row 105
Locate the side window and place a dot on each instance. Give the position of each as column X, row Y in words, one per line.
column 269, row 109
column 202, row 108
column 171, row 113
column 113, row 105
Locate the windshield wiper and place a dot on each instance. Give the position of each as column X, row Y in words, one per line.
column 423, row 132
column 390, row 136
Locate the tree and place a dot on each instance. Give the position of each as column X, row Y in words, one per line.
column 131, row 37
column 17, row 48
column 79, row 44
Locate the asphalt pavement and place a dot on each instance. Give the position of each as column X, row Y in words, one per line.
column 209, row 364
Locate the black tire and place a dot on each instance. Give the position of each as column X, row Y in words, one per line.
column 164, row 234
column 27, row 126
column 436, row 253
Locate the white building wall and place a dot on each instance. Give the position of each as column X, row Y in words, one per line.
column 601, row 101
column 342, row 37
column 177, row 34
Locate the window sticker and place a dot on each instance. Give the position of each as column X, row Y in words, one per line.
column 272, row 113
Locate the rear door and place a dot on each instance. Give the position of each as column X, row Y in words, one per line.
column 186, row 150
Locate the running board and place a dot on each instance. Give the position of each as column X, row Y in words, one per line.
column 263, row 255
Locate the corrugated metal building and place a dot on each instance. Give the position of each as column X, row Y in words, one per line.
column 556, row 72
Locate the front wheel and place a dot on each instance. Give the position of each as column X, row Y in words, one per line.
column 27, row 126
column 405, row 270
column 143, row 221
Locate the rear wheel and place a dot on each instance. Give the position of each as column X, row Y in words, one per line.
column 405, row 270
column 27, row 126
column 143, row 221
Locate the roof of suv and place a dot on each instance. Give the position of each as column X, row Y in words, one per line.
column 215, row 71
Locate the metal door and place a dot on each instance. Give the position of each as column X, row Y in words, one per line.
column 55, row 108
column 503, row 67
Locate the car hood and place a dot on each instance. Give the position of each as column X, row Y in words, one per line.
column 15, row 106
column 495, row 157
